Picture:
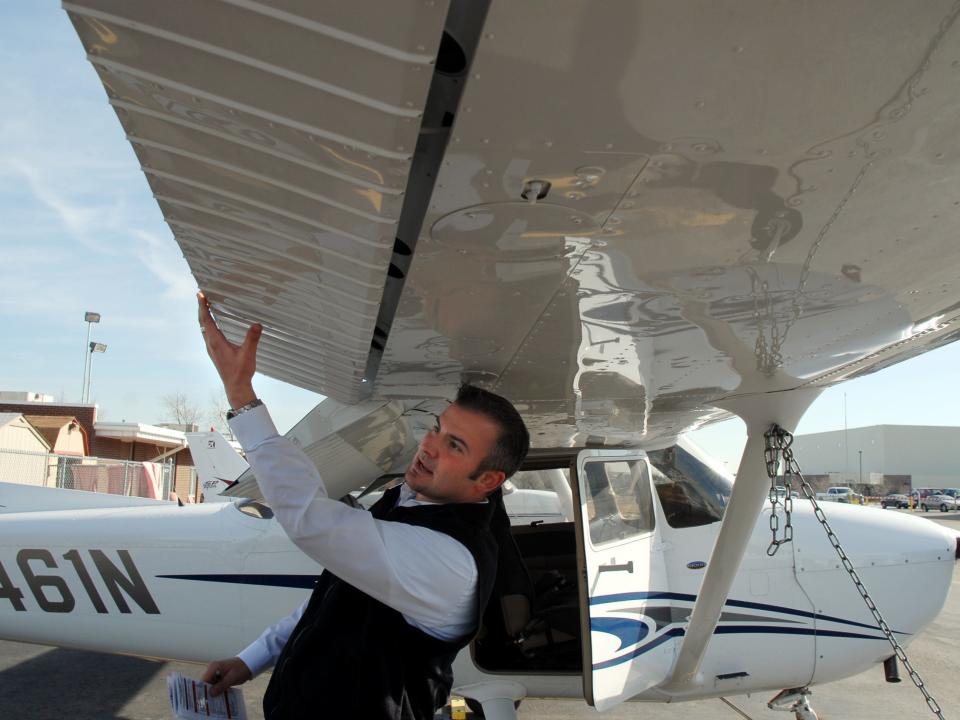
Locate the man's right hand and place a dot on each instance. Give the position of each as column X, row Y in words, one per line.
column 223, row 674
column 235, row 363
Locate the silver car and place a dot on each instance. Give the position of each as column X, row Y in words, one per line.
column 943, row 503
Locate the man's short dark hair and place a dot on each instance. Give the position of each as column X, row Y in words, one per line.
column 514, row 440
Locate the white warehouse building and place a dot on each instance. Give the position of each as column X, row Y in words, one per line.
column 922, row 455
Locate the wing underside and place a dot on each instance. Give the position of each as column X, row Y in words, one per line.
column 616, row 214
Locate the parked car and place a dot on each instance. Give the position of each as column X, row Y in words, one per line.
column 938, row 501
column 920, row 494
column 839, row 494
column 895, row 500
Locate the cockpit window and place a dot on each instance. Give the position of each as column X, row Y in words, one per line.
column 691, row 493
column 619, row 503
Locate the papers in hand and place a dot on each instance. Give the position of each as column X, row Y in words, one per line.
column 191, row 700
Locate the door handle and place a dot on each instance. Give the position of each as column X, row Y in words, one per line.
column 617, row 568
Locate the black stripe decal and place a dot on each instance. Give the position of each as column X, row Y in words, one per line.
column 290, row 581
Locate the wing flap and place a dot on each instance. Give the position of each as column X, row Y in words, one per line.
column 280, row 165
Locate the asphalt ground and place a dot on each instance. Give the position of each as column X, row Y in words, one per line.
column 43, row 683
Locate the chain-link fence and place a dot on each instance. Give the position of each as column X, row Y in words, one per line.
column 119, row 477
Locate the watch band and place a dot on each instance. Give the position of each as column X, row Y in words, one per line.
column 231, row 413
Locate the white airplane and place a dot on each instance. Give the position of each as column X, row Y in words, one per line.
column 631, row 219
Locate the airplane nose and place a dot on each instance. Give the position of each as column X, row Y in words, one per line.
column 896, row 555
column 903, row 562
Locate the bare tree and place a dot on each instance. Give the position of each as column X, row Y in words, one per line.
column 180, row 409
column 217, row 411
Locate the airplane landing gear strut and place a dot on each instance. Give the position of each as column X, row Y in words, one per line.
column 794, row 700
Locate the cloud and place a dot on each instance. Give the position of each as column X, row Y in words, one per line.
column 76, row 219
column 81, row 231
column 105, row 228
column 161, row 257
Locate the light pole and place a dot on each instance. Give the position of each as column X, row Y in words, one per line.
column 94, row 347
column 89, row 318
column 846, row 443
column 863, row 497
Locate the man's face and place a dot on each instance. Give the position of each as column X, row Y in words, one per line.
column 450, row 453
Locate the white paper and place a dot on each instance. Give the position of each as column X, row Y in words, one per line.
column 191, row 700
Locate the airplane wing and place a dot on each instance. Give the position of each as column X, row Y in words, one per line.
column 716, row 214
column 623, row 216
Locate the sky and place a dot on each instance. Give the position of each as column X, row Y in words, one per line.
column 79, row 231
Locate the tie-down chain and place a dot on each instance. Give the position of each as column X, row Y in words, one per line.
column 776, row 448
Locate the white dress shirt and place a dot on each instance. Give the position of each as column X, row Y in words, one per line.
column 427, row 576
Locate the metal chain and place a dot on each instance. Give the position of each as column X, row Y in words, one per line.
column 769, row 359
column 772, row 453
column 778, row 445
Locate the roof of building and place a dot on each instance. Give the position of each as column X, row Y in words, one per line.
column 50, row 425
column 7, row 417
column 883, row 426
column 138, row 432
column 12, row 418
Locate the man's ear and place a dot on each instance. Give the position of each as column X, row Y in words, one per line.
column 490, row 480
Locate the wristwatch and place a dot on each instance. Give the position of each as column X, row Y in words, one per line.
column 231, row 413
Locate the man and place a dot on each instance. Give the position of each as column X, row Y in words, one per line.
column 404, row 586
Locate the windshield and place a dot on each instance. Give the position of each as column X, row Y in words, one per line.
column 691, row 492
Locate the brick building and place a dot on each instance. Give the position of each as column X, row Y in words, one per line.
column 119, row 441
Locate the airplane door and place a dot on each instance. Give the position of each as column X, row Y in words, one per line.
column 622, row 570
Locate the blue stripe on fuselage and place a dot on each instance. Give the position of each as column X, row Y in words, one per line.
column 730, row 630
column 621, row 597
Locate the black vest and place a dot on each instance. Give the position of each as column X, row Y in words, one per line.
column 351, row 656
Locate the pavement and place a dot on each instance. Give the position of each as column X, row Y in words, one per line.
column 43, row 683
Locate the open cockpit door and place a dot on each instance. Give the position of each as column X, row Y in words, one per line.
column 623, row 579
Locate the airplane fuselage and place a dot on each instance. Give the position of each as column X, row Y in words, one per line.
column 196, row 583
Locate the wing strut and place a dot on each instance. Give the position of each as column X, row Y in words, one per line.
column 749, row 492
